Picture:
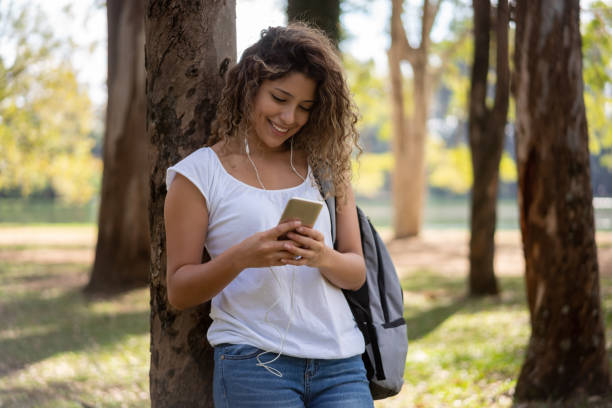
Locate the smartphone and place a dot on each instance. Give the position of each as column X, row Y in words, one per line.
column 306, row 211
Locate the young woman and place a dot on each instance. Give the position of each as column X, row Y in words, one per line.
column 282, row 330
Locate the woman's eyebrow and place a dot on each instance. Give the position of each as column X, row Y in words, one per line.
column 289, row 94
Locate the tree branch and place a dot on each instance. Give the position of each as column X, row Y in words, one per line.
column 430, row 11
column 398, row 33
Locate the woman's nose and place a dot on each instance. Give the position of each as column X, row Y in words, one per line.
column 288, row 115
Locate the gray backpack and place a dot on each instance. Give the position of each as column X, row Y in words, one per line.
column 378, row 308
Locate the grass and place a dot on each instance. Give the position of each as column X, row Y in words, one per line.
column 43, row 210
column 463, row 352
column 59, row 349
column 454, row 213
column 468, row 352
column 439, row 212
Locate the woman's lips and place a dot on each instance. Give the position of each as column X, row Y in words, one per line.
column 278, row 128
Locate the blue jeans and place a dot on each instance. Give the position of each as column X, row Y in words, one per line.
column 312, row 383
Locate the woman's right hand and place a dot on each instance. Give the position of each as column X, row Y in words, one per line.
column 265, row 249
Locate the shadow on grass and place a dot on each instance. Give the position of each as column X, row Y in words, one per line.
column 438, row 298
column 55, row 317
column 421, row 324
column 442, row 296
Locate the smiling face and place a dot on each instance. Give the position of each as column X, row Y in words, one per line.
column 281, row 108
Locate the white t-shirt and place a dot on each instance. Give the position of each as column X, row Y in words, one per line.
column 322, row 325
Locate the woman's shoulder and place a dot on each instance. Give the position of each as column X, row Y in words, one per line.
column 196, row 167
column 198, row 160
column 196, row 154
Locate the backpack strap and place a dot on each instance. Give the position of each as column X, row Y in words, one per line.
column 331, row 206
column 381, row 276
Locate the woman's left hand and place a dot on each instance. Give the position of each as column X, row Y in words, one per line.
column 308, row 246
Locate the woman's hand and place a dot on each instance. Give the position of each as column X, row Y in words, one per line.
column 307, row 247
column 264, row 248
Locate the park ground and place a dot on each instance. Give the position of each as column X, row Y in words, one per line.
column 60, row 349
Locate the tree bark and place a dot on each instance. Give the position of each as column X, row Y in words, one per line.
column 189, row 47
column 566, row 355
column 409, row 133
column 122, row 251
column 486, row 136
column 324, row 14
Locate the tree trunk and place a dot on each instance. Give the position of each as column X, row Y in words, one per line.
column 409, row 133
column 566, row 355
column 486, row 135
column 324, row 14
column 122, row 252
column 189, row 47
column 409, row 181
column 402, row 168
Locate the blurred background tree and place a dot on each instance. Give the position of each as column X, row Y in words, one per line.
column 410, row 115
column 122, row 250
column 487, row 125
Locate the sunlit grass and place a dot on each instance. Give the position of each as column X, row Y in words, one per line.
column 463, row 352
column 466, row 352
column 61, row 349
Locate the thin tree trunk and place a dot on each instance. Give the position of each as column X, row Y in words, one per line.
column 402, row 168
column 409, row 181
column 324, row 14
column 409, row 133
column 486, row 135
column 122, row 252
column 566, row 355
column 189, row 46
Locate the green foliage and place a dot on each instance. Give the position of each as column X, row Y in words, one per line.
column 35, row 210
column 45, row 114
column 370, row 93
column 449, row 168
column 370, row 172
column 507, row 169
column 597, row 76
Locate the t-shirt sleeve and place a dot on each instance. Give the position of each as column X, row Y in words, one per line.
column 195, row 168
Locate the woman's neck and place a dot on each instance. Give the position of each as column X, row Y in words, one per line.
column 257, row 148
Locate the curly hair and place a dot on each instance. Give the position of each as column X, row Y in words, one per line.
column 330, row 134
